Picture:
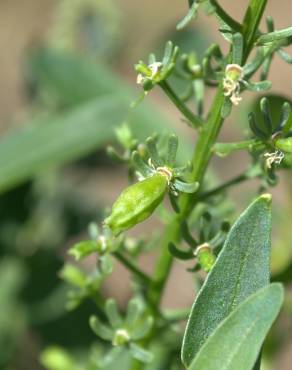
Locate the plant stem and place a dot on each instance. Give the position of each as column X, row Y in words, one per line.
column 226, row 17
column 133, row 268
column 201, row 157
column 188, row 114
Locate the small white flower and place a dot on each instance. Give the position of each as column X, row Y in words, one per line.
column 103, row 243
column 275, row 157
column 231, row 82
column 154, row 68
column 140, row 79
column 121, row 337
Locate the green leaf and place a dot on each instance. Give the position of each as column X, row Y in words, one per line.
column 225, row 18
column 192, row 13
column 55, row 358
column 236, row 342
column 73, row 275
column 186, row 187
column 133, row 312
column 140, row 353
column 142, row 328
column 178, row 253
column 285, row 56
column 251, row 22
column 241, row 269
column 83, row 249
column 101, row 330
column 237, row 48
column 257, row 86
column 57, row 140
column 224, row 149
column 113, row 313
column 274, row 36
column 226, row 108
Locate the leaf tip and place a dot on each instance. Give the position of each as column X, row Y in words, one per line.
column 267, row 198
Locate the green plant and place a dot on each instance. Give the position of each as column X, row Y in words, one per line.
column 236, row 304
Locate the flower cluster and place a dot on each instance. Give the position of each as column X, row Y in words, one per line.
column 231, row 82
column 156, row 71
column 124, row 333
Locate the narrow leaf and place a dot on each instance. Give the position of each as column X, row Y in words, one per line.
column 224, row 149
column 101, row 330
column 236, row 342
column 226, row 108
column 237, row 48
column 186, row 187
column 140, row 353
column 257, row 86
column 274, row 36
column 285, row 56
column 178, row 253
column 241, row 269
column 190, row 16
column 113, row 313
column 172, row 150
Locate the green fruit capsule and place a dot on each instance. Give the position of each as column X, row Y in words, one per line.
column 136, row 203
column 206, row 257
column 284, row 144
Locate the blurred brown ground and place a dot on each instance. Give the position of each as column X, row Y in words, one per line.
column 23, row 22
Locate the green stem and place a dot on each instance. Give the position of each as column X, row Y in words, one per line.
column 133, row 268
column 188, row 114
column 226, row 17
column 201, row 157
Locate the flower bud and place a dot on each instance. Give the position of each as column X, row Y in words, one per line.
column 121, row 337
column 136, row 203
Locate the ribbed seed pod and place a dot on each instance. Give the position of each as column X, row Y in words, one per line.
column 136, row 203
column 284, row 144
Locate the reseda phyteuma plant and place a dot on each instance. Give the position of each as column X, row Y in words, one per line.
column 148, row 333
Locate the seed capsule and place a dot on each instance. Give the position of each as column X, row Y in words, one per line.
column 284, row 144
column 206, row 257
column 136, row 203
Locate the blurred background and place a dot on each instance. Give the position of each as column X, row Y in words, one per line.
column 67, row 81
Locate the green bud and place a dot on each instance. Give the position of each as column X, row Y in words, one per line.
column 121, row 337
column 136, row 203
column 284, row 144
column 206, row 257
column 73, row 275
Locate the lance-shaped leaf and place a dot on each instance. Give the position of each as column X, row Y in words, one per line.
column 285, row 56
column 274, row 36
column 236, row 342
column 241, row 269
column 186, row 187
column 192, row 13
column 257, row 86
column 237, row 48
column 224, row 149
